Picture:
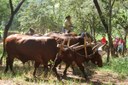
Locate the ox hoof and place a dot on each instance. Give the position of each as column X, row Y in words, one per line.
column 0, row 61
column 34, row 76
column 13, row 73
column 64, row 77
column 5, row 72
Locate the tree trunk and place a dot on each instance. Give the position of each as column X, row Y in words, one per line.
column 125, row 39
column 7, row 26
column 102, row 18
column 106, row 26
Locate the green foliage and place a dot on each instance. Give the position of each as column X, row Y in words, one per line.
column 40, row 16
column 49, row 15
column 4, row 11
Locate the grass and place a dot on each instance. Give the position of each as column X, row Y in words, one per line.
column 117, row 65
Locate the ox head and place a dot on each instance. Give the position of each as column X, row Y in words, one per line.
column 93, row 55
column 96, row 58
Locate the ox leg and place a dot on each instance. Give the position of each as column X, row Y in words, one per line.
column 11, row 66
column 65, row 71
column 57, row 62
column 45, row 70
column 36, row 65
column 7, row 65
column 81, row 67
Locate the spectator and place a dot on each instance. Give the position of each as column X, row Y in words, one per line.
column 103, row 40
column 115, row 43
column 120, row 45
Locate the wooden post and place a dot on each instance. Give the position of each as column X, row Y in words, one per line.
column 68, row 43
column 85, row 46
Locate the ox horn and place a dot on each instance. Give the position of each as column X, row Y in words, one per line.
column 78, row 47
column 95, row 46
column 101, row 47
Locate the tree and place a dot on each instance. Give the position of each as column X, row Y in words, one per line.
column 121, row 21
column 107, row 26
column 7, row 26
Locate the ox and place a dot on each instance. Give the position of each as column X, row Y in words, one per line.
column 68, row 55
column 23, row 47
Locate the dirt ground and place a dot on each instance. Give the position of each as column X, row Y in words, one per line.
column 97, row 77
column 100, row 77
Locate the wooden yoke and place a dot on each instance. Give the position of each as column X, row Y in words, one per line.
column 61, row 46
column 85, row 46
column 68, row 43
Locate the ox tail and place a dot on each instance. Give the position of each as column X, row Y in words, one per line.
column 3, row 53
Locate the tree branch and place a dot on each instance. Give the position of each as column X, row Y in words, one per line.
column 18, row 6
column 113, row 3
column 11, row 6
column 101, row 15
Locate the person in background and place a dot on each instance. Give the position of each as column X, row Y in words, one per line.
column 103, row 40
column 120, row 46
column 115, row 43
column 30, row 32
column 87, row 36
column 67, row 26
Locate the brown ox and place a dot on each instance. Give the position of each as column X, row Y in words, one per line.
column 23, row 47
column 68, row 55
column 74, row 40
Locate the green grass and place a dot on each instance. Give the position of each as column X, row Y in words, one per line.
column 120, row 65
column 117, row 65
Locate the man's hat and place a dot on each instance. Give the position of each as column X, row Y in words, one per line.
column 67, row 17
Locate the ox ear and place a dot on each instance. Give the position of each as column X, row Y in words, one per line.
column 93, row 54
column 62, row 47
column 90, row 56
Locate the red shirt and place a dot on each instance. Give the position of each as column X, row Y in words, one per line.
column 103, row 40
